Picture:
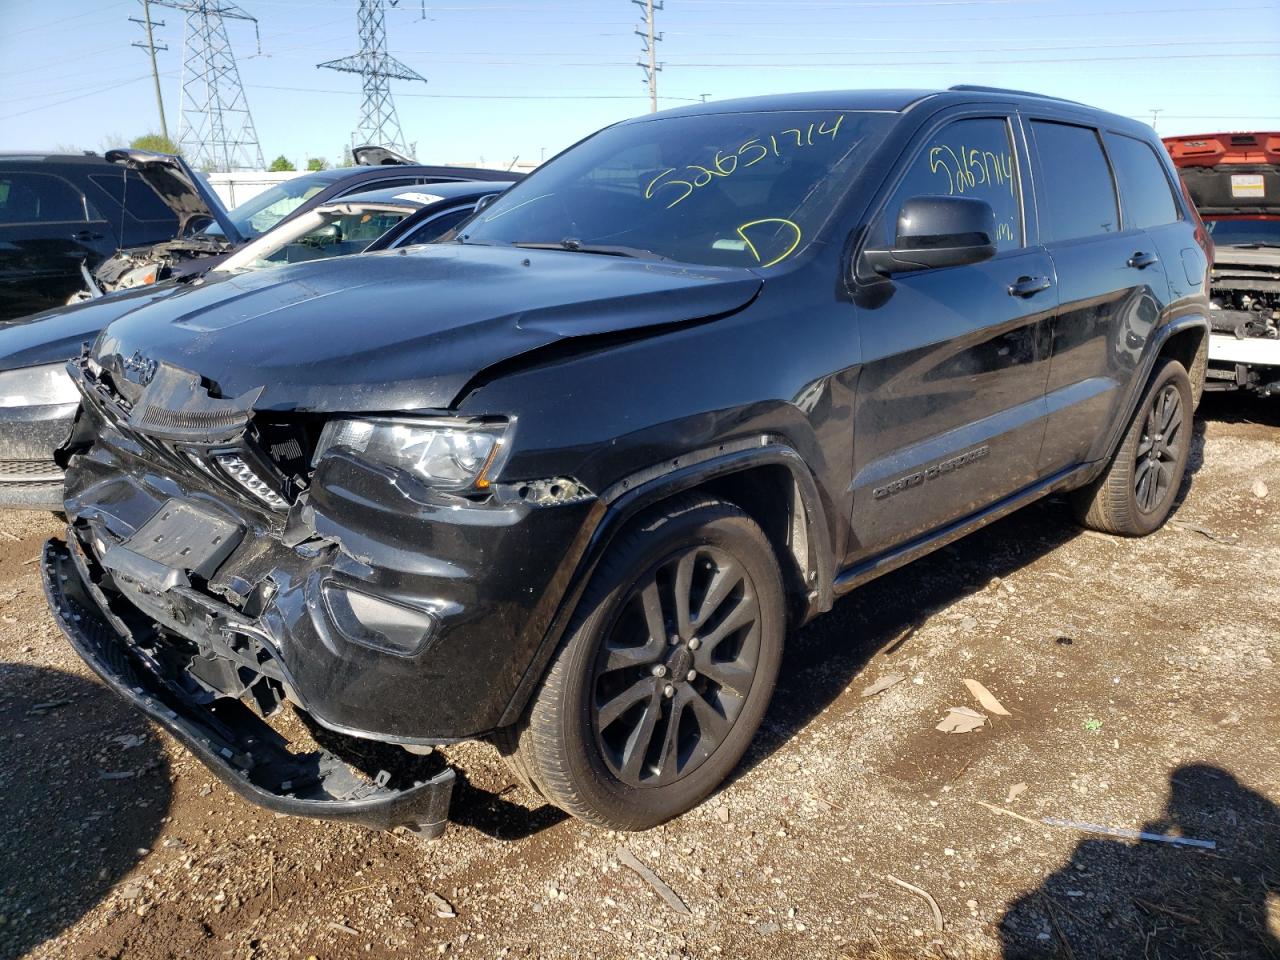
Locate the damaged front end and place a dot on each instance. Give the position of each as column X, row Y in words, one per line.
column 217, row 579
column 1244, row 317
column 193, row 248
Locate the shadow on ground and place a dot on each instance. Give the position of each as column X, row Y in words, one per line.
column 1121, row 898
column 471, row 806
column 880, row 617
column 1237, row 406
column 85, row 787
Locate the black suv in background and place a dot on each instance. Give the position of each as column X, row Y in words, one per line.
column 568, row 481
column 195, row 252
column 58, row 212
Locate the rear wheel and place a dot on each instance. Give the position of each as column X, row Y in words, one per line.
column 1134, row 496
column 665, row 673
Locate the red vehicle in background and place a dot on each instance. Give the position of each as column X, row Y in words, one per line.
column 1234, row 181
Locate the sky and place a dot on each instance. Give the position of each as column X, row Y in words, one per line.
column 508, row 79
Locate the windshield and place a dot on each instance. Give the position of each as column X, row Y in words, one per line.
column 259, row 214
column 339, row 236
column 737, row 189
column 1229, row 233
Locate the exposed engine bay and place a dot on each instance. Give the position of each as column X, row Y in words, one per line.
column 1245, row 301
column 145, row 265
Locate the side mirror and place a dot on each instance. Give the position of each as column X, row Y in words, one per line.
column 485, row 201
column 937, row 232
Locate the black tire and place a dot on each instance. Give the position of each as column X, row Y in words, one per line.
column 577, row 743
column 1135, row 494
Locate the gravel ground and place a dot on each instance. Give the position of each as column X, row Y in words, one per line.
column 1142, row 688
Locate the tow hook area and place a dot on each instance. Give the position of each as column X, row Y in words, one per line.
column 239, row 747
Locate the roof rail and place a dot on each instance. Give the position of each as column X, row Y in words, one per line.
column 975, row 88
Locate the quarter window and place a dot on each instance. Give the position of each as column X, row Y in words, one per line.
column 437, row 226
column 967, row 158
column 1077, row 197
column 1145, row 192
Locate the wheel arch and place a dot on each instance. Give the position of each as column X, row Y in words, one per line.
column 1186, row 336
column 763, row 476
column 1189, row 345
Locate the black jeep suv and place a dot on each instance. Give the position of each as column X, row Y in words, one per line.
column 567, row 481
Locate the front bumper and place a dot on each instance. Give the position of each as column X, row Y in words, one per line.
column 233, row 742
column 1252, row 351
column 29, row 477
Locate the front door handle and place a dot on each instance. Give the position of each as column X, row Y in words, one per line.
column 1029, row 286
column 1140, row 260
column 84, row 236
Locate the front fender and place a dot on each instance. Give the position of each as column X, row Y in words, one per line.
column 624, row 500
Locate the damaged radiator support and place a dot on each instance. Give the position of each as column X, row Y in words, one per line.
column 236, row 744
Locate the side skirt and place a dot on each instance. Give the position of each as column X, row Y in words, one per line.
column 860, row 573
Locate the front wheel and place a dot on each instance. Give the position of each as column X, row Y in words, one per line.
column 1135, row 494
column 665, row 673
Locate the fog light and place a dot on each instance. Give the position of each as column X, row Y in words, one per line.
column 377, row 623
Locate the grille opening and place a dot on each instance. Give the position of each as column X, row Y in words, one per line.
column 288, row 442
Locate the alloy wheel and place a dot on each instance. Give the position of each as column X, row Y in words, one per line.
column 1159, row 448
column 676, row 666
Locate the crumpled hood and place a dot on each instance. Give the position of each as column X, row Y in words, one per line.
column 405, row 329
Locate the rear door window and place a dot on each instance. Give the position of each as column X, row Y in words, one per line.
column 966, row 158
column 39, row 198
column 1076, row 195
column 1145, row 192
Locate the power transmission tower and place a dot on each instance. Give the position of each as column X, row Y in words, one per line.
column 650, row 38
column 151, row 47
column 215, row 128
column 379, row 124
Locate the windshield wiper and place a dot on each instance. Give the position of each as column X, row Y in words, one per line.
column 577, row 246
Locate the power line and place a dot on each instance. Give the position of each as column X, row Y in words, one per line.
column 481, row 96
column 379, row 124
column 1085, row 45
column 650, row 38
column 96, row 89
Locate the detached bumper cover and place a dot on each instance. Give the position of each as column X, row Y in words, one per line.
column 241, row 749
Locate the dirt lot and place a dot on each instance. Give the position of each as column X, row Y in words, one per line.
column 1144, row 693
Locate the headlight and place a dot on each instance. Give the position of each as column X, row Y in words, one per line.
column 451, row 454
column 37, row 386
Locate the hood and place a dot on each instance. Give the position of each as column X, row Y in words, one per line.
column 405, row 329
column 57, row 335
column 180, row 188
column 1229, row 173
column 371, row 155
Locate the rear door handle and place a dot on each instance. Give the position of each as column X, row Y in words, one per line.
column 86, row 235
column 1029, row 286
column 1140, row 260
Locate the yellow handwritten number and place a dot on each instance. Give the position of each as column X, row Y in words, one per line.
column 655, row 185
column 753, row 145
